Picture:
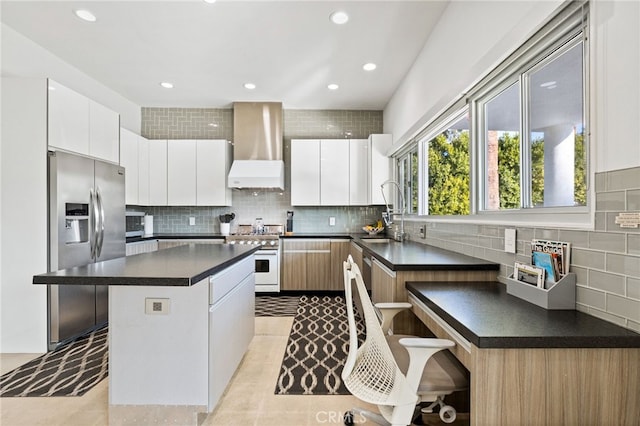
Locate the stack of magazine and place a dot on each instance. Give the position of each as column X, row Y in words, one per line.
column 549, row 263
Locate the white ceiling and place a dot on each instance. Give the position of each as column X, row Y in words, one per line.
column 289, row 49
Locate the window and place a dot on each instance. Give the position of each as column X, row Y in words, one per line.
column 446, row 168
column 544, row 166
column 515, row 142
column 407, row 167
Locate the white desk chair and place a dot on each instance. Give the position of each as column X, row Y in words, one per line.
column 395, row 372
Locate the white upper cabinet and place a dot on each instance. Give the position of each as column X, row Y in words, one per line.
column 157, row 173
column 103, row 132
column 212, row 168
column 81, row 125
column 380, row 168
column 359, row 172
column 129, row 160
column 305, row 172
column 68, row 119
column 334, row 172
column 181, row 172
column 143, row 171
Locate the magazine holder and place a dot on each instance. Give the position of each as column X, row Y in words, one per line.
column 560, row 295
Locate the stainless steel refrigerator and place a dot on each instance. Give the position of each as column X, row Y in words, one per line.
column 86, row 224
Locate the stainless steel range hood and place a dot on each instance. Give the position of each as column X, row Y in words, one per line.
column 257, row 146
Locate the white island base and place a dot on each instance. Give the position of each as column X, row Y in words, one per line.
column 173, row 349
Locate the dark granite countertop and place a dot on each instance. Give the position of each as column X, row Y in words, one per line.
column 167, row 236
column 484, row 314
column 178, row 266
column 412, row 256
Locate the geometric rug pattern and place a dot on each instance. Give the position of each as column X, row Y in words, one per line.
column 317, row 348
column 70, row 370
column 276, row 306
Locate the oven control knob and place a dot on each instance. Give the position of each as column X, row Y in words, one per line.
column 273, row 243
column 264, row 242
column 232, row 242
column 241, row 242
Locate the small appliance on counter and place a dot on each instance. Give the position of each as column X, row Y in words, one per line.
column 289, row 229
column 135, row 225
column 148, row 225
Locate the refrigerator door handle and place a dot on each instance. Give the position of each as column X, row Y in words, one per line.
column 93, row 223
column 100, row 225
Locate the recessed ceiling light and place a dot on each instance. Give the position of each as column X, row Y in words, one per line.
column 210, row 1
column 249, row 86
column 166, row 85
column 333, row 86
column 85, row 15
column 369, row 66
column 339, row 17
column 548, row 83
column 213, row 124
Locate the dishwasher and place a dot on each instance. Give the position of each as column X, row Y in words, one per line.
column 231, row 324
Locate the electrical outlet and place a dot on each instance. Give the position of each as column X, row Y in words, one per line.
column 332, row 221
column 423, row 232
column 192, row 221
column 156, row 306
column 510, row 240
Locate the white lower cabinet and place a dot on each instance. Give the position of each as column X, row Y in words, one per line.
column 139, row 247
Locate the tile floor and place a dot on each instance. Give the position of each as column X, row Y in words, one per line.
column 248, row 400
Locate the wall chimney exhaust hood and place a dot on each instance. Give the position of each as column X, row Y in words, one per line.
column 257, row 146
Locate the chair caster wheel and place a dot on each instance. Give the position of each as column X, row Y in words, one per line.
column 348, row 418
column 448, row 414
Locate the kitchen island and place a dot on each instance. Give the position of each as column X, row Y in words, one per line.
column 180, row 321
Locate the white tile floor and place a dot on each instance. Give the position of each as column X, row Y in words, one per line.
column 248, row 400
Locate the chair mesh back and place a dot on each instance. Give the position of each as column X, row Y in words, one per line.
column 370, row 373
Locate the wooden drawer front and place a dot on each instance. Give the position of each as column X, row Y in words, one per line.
column 303, row 244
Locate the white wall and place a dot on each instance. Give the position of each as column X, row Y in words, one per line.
column 23, row 215
column 615, row 92
column 473, row 36
column 22, row 57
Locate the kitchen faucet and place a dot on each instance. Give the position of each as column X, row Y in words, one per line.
column 386, row 216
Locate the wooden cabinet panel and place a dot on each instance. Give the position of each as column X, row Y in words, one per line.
column 383, row 283
column 340, row 250
column 319, row 270
column 294, row 271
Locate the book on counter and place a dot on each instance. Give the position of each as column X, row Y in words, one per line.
column 553, row 256
column 529, row 274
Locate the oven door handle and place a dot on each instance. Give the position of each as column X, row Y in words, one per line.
column 266, row 253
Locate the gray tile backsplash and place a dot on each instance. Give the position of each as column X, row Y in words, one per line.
column 606, row 261
column 270, row 205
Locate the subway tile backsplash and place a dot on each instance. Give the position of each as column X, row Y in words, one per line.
column 268, row 204
column 606, row 261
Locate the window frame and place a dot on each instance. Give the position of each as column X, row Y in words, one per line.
column 570, row 24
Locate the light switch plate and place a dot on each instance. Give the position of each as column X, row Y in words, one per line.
column 510, row 240
column 156, row 306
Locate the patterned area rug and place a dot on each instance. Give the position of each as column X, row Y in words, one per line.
column 276, row 306
column 317, row 348
column 71, row 370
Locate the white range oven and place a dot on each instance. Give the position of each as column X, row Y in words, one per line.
column 267, row 259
